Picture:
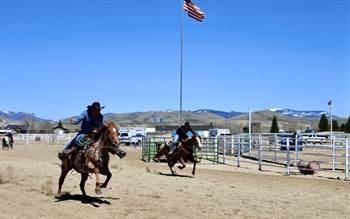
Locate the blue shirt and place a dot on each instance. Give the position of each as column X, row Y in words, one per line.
column 88, row 124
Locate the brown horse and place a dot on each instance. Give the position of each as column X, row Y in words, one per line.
column 184, row 153
column 94, row 159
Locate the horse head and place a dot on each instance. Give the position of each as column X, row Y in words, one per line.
column 195, row 140
column 112, row 132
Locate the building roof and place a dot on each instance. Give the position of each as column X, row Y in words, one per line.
column 60, row 127
column 13, row 127
column 169, row 128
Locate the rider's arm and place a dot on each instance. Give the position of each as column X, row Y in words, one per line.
column 81, row 117
column 191, row 130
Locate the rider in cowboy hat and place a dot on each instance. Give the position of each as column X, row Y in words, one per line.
column 91, row 119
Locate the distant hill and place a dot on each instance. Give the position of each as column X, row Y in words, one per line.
column 205, row 117
column 21, row 116
column 222, row 114
column 304, row 114
column 287, row 118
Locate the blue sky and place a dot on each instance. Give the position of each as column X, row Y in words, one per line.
column 58, row 56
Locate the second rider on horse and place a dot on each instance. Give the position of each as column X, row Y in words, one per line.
column 181, row 134
column 91, row 119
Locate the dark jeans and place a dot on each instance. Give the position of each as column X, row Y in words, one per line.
column 72, row 143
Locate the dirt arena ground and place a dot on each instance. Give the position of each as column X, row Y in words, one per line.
column 29, row 179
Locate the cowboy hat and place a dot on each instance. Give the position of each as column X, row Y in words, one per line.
column 95, row 105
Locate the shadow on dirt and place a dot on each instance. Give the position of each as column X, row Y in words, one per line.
column 176, row 175
column 94, row 201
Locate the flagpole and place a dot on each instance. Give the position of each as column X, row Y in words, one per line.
column 196, row 13
column 181, row 49
column 330, row 106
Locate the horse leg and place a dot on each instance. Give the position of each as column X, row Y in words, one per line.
column 156, row 157
column 84, row 177
column 64, row 170
column 194, row 168
column 171, row 163
column 182, row 162
column 161, row 152
column 98, row 183
column 109, row 176
column 172, row 171
column 194, row 161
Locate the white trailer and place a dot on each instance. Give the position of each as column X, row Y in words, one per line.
column 218, row 132
column 131, row 135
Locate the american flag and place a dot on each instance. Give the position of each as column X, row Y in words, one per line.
column 193, row 10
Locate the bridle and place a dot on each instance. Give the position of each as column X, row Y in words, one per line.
column 191, row 143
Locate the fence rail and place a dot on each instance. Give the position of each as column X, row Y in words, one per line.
column 43, row 139
column 267, row 151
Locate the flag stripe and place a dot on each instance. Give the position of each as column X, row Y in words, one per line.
column 194, row 11
column 198, row 19
column 191, row 7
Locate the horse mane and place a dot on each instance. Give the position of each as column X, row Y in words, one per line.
column 187, row 139
column 104, row 127
column 190, row 138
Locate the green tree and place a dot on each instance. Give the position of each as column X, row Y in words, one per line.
column 347, row 126
column 342, row 127
column 45, row 127
column 323, row 125
column 29, row 122
column 274, row 126
column 335, row 125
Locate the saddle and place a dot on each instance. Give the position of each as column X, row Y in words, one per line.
column 82, row 142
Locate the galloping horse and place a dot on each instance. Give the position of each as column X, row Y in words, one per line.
column 184, row 152
column 94, row 160
column 6, row 143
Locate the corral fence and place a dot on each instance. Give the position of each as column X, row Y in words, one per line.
column 270, row 152
column 42, row 139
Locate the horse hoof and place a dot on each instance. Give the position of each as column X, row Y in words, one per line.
column 98, row 192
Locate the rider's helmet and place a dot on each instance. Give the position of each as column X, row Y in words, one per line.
column 187, row 124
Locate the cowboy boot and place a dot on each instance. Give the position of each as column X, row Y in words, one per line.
column 65, row 153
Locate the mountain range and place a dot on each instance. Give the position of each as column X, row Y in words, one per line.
column 21, row 116
column 281, row 111
column 288, row 119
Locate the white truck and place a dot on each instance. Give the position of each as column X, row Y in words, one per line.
column 314, row 138
column 131, row 135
